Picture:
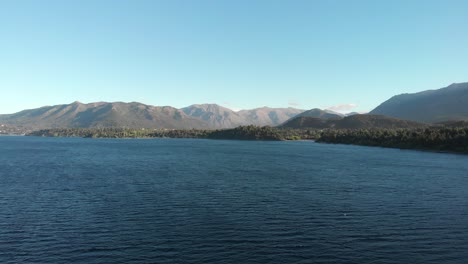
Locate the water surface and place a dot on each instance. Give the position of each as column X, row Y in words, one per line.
column 70, row 200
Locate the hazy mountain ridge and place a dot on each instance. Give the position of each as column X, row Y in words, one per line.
column 445, row 104
column 222, row 117
column 266, row 116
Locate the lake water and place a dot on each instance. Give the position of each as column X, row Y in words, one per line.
column 71, row 200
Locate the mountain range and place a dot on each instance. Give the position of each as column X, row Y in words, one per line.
column 138, row 115
column 221, row 117
column 448, row 104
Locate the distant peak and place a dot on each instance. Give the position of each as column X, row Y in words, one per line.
column 455, row 85
column 458, row 83
column 203, row 105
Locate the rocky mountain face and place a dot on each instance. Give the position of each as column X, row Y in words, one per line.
column 446, row 104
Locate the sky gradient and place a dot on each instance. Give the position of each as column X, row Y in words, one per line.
column 350, row 55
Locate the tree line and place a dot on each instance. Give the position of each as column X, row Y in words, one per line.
column 241, row 132
column 454, row 139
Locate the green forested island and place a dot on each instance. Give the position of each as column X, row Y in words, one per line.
column 240, row 133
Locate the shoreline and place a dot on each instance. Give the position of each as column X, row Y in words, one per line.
column 434, row 139
column 284, row 140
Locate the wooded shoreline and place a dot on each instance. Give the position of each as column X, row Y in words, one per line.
column 447, row 139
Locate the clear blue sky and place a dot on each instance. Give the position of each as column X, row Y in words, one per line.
column 240, row 54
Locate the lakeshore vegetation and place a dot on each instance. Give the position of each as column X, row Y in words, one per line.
column 437, row 138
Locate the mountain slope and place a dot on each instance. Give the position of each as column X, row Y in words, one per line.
column 375, row 121
column 266, row 116
column 320, row 114
column 216, row 116
column 102, row 114
column 450, row 103
column 351, row 122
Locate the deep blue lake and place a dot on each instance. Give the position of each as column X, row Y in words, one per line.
column 72, row 200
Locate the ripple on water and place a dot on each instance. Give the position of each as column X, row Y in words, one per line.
column 202, row 201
